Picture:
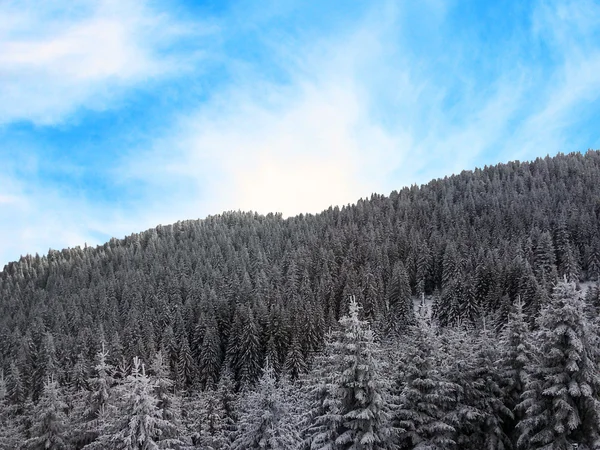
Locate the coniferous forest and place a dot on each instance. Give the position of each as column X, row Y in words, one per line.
column 461, row 314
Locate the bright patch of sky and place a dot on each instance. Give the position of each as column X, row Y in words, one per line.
column 117, row 116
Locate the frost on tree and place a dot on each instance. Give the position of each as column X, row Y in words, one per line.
column 141, row 424
column 356, row 413
column 422, row 398
column 560, row 401
column 49, row 421
column 266, row 422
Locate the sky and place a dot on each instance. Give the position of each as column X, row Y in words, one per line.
column 117, row 116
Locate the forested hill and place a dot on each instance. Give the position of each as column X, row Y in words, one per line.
column 235, row 290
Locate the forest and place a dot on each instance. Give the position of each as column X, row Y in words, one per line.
column 460, row 314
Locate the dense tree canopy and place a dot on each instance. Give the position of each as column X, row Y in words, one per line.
column 218, row 300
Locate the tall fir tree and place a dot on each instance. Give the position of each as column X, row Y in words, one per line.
column 266, row 421
column 49, row 421
column 422, row 399
column 560, row 401
column 140, row 424
column 517, row 354
column 357, row 415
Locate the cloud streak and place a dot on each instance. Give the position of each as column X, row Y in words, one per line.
column 55, row 60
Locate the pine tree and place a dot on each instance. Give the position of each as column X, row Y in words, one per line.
column 168, row 402
column 517, row 354
column 545, row 258
column 356, row 411
column 229, row 399
column 15, row 390
column 140, row 425
column 49, row 420
column 400, row 313
column 560, row 401
column 244, row 347
column 266, row 422
column 94, row 414
column 570, row 264
column 11, row 435
column 207, row 421
column 211, row 356
column 422, row 398
column 593, row 261
column 480, row 412
column 186, row 368
column 294, row 362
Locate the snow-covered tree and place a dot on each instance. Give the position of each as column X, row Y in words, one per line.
column 11, row 435
column 140, row 425
column 516, row 355
column 211, row 355
column 294, row 361
column 560, row 401
column 266, row 421
column 355, row 413
column 480, row 412
column 49, row 420
column 422, row 398
column 207, row 422
column 400, row 314
column 168, row 402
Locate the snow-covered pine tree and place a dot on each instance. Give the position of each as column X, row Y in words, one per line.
column 516, row 355
column 140, row 424
column 421, row 397
column 15, row 390
column 294, row 361
column 356, row 414
column 92, row 415
column 400, row 314
column 229, row 399
column 211, row 355
column 48, row 430
column 560, row 401
column 168, row 402
column 186, row 366
column 244, row 347
column 266, row 421
column 11, row 435
column 479, row 413
column 317, row 393
column 209, row 422
column 545, row 258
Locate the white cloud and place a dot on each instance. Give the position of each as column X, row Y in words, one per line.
column 56, row 57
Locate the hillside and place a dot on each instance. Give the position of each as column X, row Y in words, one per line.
column 230, row 292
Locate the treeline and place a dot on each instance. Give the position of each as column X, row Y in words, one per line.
column 433, row 388
column 228, row 293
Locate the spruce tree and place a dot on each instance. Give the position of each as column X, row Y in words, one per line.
column 266, row 421
column 517, row 354
column 295, row 364
column 11, row 435
column 480, row 412
column 168, row 402
column 400, row 314
column 140, row 424
column 211, row 356
column 560, row 401
column 49, row 420
column 422, row 398
column 356, row 413
column 94, row 414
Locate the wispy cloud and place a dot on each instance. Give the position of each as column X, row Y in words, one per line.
column 55, row 59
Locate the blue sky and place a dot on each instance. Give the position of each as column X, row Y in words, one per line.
column 116, row 116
